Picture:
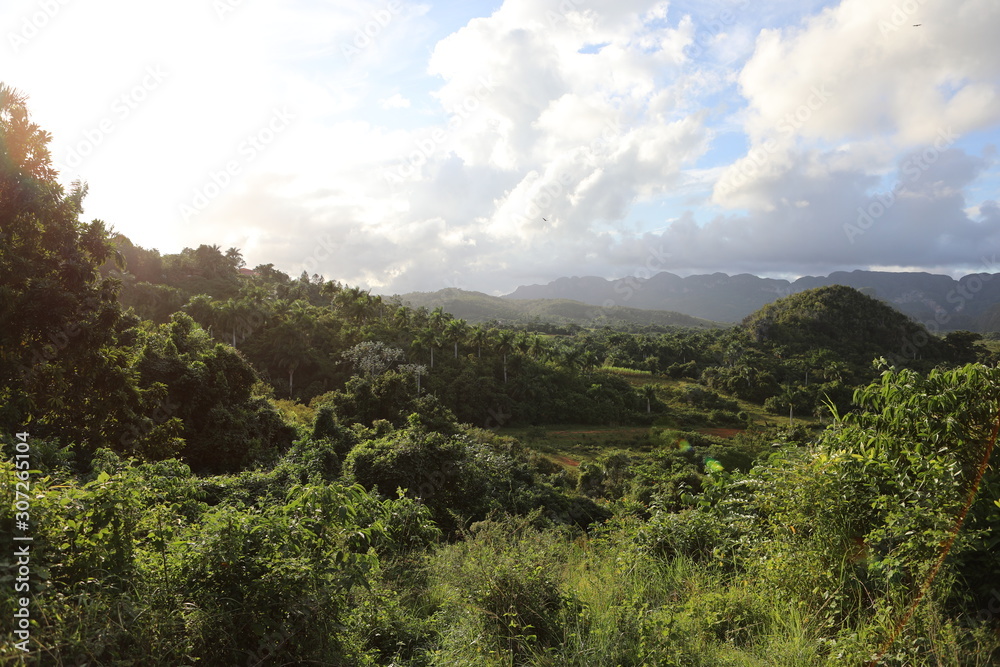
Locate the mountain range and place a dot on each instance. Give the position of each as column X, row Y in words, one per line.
column 477, row 307
column 940, row 302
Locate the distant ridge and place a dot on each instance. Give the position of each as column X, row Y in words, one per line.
column 937, row 301
column 477, row 307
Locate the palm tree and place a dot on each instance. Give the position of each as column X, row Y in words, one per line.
column 537, row 347
column 788, row 394
column 478, row 337
column 438, row 318
column 227, row 317
column 427, row 338
column 504, row 344
column 375, row 303
column 521, row 343
column 290, row 350
column 571, row 358
column 419, row 317
column 454, row 331
column 649, row 392
column 401, row 318
column 353, row 302
column 329, row 289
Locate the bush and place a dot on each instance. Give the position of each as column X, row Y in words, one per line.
column 501, row 585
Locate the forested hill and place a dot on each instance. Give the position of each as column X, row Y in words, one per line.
column 478, row 307
column 941, row 302
column 843, row 320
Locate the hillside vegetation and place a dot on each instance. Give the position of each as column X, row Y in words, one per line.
column 478, row 307
column 843, row 320
column 204, row 465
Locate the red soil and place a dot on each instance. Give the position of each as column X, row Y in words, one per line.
column 566, row 461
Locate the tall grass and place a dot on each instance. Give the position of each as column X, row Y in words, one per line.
column 513, row 594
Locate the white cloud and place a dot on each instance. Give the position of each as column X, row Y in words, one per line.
column 501, row 153
column 859, row 76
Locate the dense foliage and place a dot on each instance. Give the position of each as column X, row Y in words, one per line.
column 237, row 467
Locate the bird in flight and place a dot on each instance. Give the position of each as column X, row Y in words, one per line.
column 544, row 220
column 917, row 25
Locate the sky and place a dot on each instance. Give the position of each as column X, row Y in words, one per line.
column 411, row 146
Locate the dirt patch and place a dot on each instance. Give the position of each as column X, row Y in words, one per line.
column 566, row 461
column 721, row 432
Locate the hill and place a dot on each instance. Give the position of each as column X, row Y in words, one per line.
column 476, row 307
column 852, row 325
column 937, row 301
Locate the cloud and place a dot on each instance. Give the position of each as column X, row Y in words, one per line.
column 824, row 219
column 860, row 77
column 544, row 150
column 432, row 145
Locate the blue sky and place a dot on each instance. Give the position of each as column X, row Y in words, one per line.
column 412, row 146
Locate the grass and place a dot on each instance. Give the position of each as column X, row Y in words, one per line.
column 609, row 603
column 571, row 444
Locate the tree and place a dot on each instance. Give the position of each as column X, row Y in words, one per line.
column 438, row 318
column 522, row 343
column 571, row 358
column 427, row 338
column 61, row 321
column 401, row 317
column 479, row 337
column 454, row 332
column 504, row 343
column 537, row 347
column 291, row 345
column 649, row 393
column 373, row 358
column 418, row 371
column 353, row 302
